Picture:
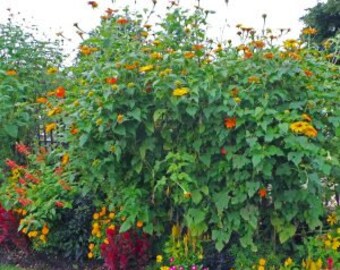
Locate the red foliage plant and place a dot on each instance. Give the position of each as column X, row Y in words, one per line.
column 126, row 251
column 9, row 234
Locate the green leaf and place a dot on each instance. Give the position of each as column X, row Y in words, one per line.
column 191, row 111
column 221, row 200
column 256, row 159
column 158, row 114
column 296, row 157
column 11, row 130
column 288, row 231
column 83, row 139
column 136, row 114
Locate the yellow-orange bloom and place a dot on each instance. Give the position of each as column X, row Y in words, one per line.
column 189, row 55
column 180, row 91
column 254, row 79
column 52, row 70
column 86, row 50
column 230, row 123
column 45, row 230
column 146, row 68
column 122, row 21
column 65, row 159
column 308, row 73
column 120, row 118
column 139, row 224
column 259, row 44
column 49, row 127
column 309, row 31
column 11, row 72
column 331, row 219
column 268, row 55
column 306, row 117
column 262, row 262
column 288, row 261
column 41, row 100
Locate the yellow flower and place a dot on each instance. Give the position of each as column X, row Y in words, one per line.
column 52, row 70
column 90, row 255
column 288, row 261
column 156, row 55
column 42, row 238
column 260, row 267
column 309, row 31
column 95, row 216
column 335, row 244
column 290, row 44
column 112, row 215
column 262, row 262
column 65, row 159
column 159, row 258
column 54, row 111
column 49, row 127
column 299, row 127
column 175, row 231
column 146, row 68
column 331, row 219
column 189, row 55
column 180, row 91
column 106, row 241
column 165, row 267
column 99, row 121
column 120, row 118
column 11, row 72
column 91, row 246
column 306, row 117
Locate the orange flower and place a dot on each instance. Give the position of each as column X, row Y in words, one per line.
column 45, row 230
column 248, row 54
column 122, row 21
column 189, row 55
column 308, row 73
column 230, row 122
column 86, row 50
column 41, row 100
column 74, row 131
column 253, row 79
column 111, row 80
column 65, row 159
column 11, row 72
column 234, row 92
column 60, row 92
column 259, row 44
column 131, row 66
column 306, row 117
column 262, row 192
column 139, row 224
column 309, row 31
column 197, row 47
column 94, row 4
column 310, row 131
column 268, row 55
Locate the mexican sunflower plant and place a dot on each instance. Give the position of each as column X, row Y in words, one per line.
column 145, row 118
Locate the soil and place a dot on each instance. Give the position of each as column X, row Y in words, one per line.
column 30, row 260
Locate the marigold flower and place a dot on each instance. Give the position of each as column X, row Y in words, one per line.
column 262, row 262
column 49, row 127
column 86, row 50
column 146, row 68
column 248, row 54
column 178, row 92
column 197, row 47
column 52, row 70
column 189, row 55
column 65, row 159
column 120, row 118
column 131, row 66
column 288, row 262
column 94, row 4
column 308, row 73
column 306, row 117
column 11, row 72
column 54, row 111
column 41, row 100
column 91, row 246
column 156, row 55
column 139, row 224
column 95, row 216
column 268, row 55
column 111, row 80
column 290, row 44
column 298, row 127
column 259, row 44
column 60, row 92
column 263, row 194
column 122, row 21
column 159, row 258
column 309, row 31
column 24, row 201
column 112, row 215
column 254, row 79
column 106, row 241
column 45, row 230
column 32, row 234
column 332, row 219
column 230, row 122
column 260, row 267
column 310, row 131
column 74, row 130
column 90, row 255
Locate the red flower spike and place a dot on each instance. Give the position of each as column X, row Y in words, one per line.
column 223, row 151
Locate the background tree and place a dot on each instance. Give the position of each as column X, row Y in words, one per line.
column 325, row 17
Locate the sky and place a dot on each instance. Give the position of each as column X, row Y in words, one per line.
column 55, row 16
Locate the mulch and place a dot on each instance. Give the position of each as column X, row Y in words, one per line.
column 31, row 260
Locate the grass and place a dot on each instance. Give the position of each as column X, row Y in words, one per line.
column 8, row 267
